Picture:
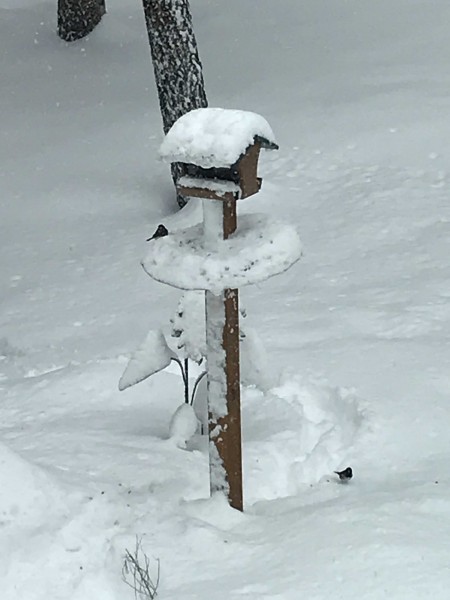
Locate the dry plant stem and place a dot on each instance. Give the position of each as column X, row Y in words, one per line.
column 184, row 375
column 137, row 567
column 197, row 381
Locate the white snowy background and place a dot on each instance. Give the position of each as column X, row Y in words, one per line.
column 357, row 332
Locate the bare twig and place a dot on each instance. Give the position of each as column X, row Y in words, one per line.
column 180, row 364
column 197, row 381
column 136, row 573
column 186, row 386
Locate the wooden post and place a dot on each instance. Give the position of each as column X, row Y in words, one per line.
column 222, row 337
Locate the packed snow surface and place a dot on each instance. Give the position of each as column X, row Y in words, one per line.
column 356, row 334
column 214, row 137
column 28, row 492
column 260, row 248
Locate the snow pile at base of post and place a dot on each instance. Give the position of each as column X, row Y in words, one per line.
column 297, row 433
column 214, row 137
column 259, row 249
column 217, row 473
column 183, row 425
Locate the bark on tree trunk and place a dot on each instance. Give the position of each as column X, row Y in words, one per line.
column 77, row 18
column 177, row 66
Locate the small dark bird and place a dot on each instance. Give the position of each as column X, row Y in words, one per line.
column 346, row 474
column 161, row 231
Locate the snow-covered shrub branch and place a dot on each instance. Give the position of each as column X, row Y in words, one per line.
column 184, row 342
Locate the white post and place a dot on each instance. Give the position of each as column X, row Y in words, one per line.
column 215, row 322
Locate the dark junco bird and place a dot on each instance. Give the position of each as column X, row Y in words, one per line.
column 346, row 474
column 161, row 231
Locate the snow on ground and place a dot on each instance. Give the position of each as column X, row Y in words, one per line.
column 357, row 332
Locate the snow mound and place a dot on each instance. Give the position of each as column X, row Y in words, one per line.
column 26, row 490
column 183, row 425
column 214, row 137
column 294, row 435
column 259, row 249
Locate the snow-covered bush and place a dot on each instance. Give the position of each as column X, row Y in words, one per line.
column 184, row 342
column 188, row 326
column 187, row 333
column 156, row 353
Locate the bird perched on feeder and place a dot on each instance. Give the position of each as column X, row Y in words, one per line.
column 345, row 475
column 161, row 231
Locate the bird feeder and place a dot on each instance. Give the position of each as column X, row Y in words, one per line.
column 219, row 150
column 201, row 182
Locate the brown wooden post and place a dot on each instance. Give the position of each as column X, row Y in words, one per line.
column 231, row 448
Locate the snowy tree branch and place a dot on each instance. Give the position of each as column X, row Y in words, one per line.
column 180, row 364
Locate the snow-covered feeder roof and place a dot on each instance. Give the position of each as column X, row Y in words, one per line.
column 215, row 137
column 259, row 249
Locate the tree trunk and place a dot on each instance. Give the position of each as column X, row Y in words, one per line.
column 77, row 18
column 177, row 66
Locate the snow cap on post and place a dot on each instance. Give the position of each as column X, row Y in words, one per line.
column 215, row 137
column 218, row 150
column 259, row 249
